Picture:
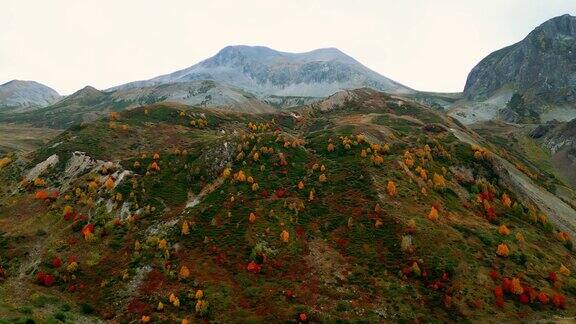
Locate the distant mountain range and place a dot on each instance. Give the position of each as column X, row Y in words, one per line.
column 531, row 81
column 265, row 72
column 22, row 95
column 241, row 78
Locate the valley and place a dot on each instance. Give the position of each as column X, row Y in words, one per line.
column 266, row 186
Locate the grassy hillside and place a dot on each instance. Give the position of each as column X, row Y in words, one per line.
column 366, row 209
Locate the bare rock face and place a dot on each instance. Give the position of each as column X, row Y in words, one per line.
column 20, row 95
column 541, row 67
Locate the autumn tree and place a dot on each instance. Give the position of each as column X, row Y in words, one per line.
column 185, row 228
column 433, row 214
column 564, row 270
column 285, row 236
column 391, row 188
column 331, row 147
column 301, row 185
column 109, row 184
column 503, row 230
column 503, row 250
column 438, row 181
column 184, row 272
column 377, row 159
column 506, row 201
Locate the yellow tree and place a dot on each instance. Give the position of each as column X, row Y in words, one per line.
column 377, row 159
column 391, row 188
column 503, row 230
column 301, row 185
column 408, row 159
column 433, row 214
column 503, row 250
column 564, row 270
column 185, row 228
column 184, row 272
column 311, row 195
column 285, row 236
column 154, row 166
column 438, row 180
column 506, row 201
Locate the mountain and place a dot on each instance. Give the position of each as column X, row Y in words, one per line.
column 540, row 70
column 364, row 207
column 239, row 78
column 89, row 104
column 267, row 72
column 22, row 95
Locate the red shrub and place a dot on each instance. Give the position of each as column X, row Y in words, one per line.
column 524, row 299
column 299, row 231
column 553, row 277
column 41, row 195
column 507, row 285
column 57, row 262
column 445, row 276
column 280, row 192
column 88, row 229
column 45, row 279
column 559, row 301
column 491, row 214
column 493, row 275
column 253, row 267
column 487, row 195
column 498, row 292
column 543, row 298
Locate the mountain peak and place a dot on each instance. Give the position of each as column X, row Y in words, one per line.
column 267, row 72
column 564, row 25
column 85, row 95
column 539, row 69
column 26, row 94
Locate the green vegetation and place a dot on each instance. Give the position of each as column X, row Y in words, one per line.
column 370, row 211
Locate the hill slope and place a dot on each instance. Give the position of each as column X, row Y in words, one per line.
column 267, row 72
column 89, row 104
column 359, row 207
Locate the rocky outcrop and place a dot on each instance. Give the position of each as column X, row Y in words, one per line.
column 541, row 67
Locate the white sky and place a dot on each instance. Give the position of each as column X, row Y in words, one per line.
column 425, row 44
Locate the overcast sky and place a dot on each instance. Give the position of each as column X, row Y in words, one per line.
column 425, row 44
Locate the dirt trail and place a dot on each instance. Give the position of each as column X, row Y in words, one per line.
column 557, row 210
